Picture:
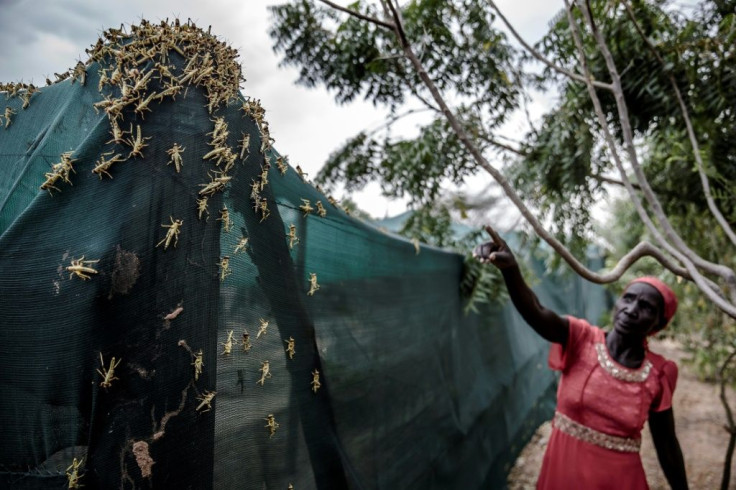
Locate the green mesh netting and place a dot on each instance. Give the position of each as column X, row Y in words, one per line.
column 411, row 392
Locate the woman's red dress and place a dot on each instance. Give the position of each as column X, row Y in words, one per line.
column 601, row 409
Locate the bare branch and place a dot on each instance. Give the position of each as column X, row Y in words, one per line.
column 386, row 25
column 690, row 132
column 711, row 290
column 392, row 119
column 641, row 250
column 368, row 18
column 398, row 21
column 525, row 105
column 503, row 146
column 681, row 252
column 684, row 253
column 628, row 135
column 620, row 183
column 609, row 180
column 539, row 56
column 416, row 94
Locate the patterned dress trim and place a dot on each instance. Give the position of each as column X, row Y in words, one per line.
column 619, row 372
column 579, row 431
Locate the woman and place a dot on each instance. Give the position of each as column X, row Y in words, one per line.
column 611, row 384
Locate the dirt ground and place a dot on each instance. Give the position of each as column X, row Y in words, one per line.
column 699, row 421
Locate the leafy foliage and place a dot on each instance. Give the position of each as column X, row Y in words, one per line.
column 558, row 172
column 433, row 224
column 697, row 54
column 460, row 49
column 414, row 168
column 480, row 285
column 458, row 46
column 349, row 57
column 564, row 166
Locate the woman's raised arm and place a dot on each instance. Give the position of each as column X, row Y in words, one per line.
column 545, row 322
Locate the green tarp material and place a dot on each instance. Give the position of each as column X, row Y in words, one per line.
column 414, row 393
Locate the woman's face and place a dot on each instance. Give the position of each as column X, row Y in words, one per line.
column 638, row 311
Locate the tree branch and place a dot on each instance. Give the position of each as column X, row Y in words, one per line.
column 710, row 289
column 539, row 56
column 398, row 21
column 609, row 180
column 394, row 118
column 680, row 252
column 690, row 132
column 503, row 146
column 641, row 250
column 628, row 135
column 721, row 270
column 368, row 18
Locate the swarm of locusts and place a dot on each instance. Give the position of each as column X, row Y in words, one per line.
column 151, row 64
column 135, row 71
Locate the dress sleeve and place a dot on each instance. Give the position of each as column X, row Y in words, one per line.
column 667, row 382
column 560, row 357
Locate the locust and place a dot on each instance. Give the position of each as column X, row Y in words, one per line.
column 265, row 372
column 118, row 135
column 59, row 171
column 202, row 207
column 225, row 218
column 137, row 144
column 293, row 239
column 72, row 473
column 271, row 424
column 227, row 346
column 290, row 347
column 171, row 91
column 224, row 267
column 262, row 329
column 172, row 234
column 244, row 145
column 198, row 364
column 81, row 268
column 216, row 184
column 103, row 165
column 175, row 154
column 321, row 211
column 206, row 401
column 108, row 375
column 306, row 206
column 264, row 177
column 263, row 209
column 79, row 72
column 242, row 243
column 313, row 286
column 142, row 83
column 143, row 106
column 246, row 342
column 282, row 165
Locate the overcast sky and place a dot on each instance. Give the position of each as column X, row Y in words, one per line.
column 40, row 37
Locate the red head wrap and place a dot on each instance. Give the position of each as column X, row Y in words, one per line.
column 668, row 296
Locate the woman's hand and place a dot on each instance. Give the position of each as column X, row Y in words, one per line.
column 545, row 322
column 495, row 252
